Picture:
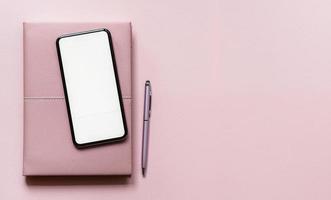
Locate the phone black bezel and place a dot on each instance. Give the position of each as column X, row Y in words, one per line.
column 106, row 141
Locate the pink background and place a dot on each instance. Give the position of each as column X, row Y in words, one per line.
column 241, row 107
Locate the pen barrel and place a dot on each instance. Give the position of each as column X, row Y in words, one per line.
column 144, row 152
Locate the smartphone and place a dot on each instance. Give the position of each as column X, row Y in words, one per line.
column 91, row 88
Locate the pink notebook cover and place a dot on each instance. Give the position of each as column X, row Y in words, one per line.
column 48, row 148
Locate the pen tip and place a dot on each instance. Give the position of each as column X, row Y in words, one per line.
column 144, row 172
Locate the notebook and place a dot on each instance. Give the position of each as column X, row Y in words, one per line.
column 48, row 148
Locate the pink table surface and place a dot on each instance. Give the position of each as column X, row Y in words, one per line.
column 241, row 100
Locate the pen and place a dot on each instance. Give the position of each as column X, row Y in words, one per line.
column 147, row 116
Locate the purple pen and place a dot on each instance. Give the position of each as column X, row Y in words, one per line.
column 147, row 116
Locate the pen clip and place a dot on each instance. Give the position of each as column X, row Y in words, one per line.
column 150, row 101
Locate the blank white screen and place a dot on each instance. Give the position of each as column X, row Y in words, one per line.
column 91, row 87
